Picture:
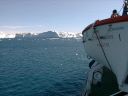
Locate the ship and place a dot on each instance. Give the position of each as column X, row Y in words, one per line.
column 106, row 44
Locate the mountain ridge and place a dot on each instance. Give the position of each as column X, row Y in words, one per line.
column 48, row 34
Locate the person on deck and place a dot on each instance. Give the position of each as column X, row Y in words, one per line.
column 125, row 10
column 114, row 14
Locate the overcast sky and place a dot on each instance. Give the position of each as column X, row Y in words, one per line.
column 58, row 15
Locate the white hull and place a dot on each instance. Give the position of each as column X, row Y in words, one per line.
column 113, row 40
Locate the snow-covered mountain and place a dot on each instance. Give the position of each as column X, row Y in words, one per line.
column 69, row 35
column 7, row 35
column 15, row 35
column 48, row 34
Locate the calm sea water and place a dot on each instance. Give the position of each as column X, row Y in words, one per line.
column 42, row 67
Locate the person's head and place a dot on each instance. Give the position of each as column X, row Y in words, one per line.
column 114, row 11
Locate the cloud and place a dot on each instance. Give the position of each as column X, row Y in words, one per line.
column 34, row 28
column 15, row 27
